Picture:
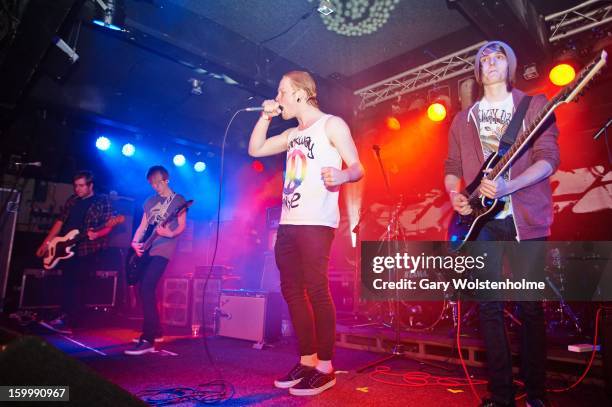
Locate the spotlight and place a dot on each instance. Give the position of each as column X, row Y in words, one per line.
column 393, row 123
column 436, row 112
column 179, row 160
column 103, row 143
column 110, row 14
column 257, row 166
column 128, row 150
column 325, row 7
column 562, row 74
column 199, row 166
column 196, row 86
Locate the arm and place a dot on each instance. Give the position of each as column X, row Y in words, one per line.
column 453, row 172
column 339, row 135
column 55, row 229
column 538, row 171
column 259, row 145
column 106, row 211
column 165, row 231
column 138, row 234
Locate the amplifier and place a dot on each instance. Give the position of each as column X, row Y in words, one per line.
column 41, row 288
column 253, row 315
column 182, row 302
column 101, row 289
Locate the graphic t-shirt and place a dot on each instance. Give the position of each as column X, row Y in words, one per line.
column 306, row 200
column 158, row 209
column 494, row 118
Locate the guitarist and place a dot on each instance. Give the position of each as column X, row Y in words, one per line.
column 475, row 134
column 85, row 211
column 156, row 208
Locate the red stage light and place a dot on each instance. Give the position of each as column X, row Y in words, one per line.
column 393, row 123
column 257, row 166
column 436, row 112
column 562, row 74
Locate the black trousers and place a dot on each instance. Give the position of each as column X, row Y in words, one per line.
column 528, row 262
column 302, row 257
column 152, row 272
column 76, row 272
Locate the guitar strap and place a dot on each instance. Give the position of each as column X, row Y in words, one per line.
column 514, row 126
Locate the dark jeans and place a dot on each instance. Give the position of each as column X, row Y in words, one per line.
column 302, row 257
column 528, row 262
column 76, row 272
column 152, row 272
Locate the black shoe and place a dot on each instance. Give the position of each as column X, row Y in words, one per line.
column 315, row 382
column 293, row 377
column 141, row 348
column 140, row 338
column 493, row 403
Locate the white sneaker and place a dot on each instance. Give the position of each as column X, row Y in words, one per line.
column 141, row 348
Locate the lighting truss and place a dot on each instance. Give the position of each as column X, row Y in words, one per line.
column 587, row 15
column 423, row 76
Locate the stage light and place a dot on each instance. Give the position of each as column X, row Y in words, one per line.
column 110, row 14
column 128, row 150
column 257, row 166
column 103, row 143
column 562, row 74
column 179, row 160
column 436, row 112
column 199, row 166
column 393, row 123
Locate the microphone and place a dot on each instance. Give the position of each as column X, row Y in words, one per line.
column 30, row 164
column 258, row 109
column 376, row 148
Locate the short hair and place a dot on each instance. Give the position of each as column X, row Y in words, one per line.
column 88, row 175
column 304, row 81
column 158, row 169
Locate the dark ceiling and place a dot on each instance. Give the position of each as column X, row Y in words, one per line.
column 239, row 49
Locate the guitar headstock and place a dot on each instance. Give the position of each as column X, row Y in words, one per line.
column 578, row 86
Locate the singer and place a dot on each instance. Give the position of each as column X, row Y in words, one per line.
column 315, row 150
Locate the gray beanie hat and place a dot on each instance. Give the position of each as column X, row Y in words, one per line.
column 511, row 57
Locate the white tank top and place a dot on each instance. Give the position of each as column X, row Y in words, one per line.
column 306, row 200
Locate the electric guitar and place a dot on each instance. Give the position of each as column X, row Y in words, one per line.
column 463, row 228
column 61, row 247
column 133, row 266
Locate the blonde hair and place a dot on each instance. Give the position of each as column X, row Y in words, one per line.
column 301, row 80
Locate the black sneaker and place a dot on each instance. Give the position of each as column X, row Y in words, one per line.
column 141, row 348
column 315, row 382
column 293, row 377
column 140, row 338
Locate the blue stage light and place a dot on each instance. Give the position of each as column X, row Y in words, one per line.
column 179, row 160
column 128, row 150
column 103, row 143
column 199, row 166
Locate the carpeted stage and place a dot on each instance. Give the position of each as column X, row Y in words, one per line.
column 182, row 362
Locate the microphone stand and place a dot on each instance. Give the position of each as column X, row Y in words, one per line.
column 604, row 131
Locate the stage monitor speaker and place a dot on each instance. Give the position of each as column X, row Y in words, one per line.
column 8, row 220
column 250, row 314
column 182, row 302
column 41, row 288
column 34, row 362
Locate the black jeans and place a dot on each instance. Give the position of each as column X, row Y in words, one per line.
column 528, row 263
column 302, row 257
column 153, row 270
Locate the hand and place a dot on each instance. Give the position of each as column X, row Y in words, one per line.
column 271, row 108
column 460, row 203
column 91, row 235
column 333, row 177
column 164, row 231
column 137, row 248
column 42, row 250
column 494, row 189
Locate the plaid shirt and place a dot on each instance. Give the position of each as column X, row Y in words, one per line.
column 97, row 215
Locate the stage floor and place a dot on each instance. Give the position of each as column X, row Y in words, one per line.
column 182, row 362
